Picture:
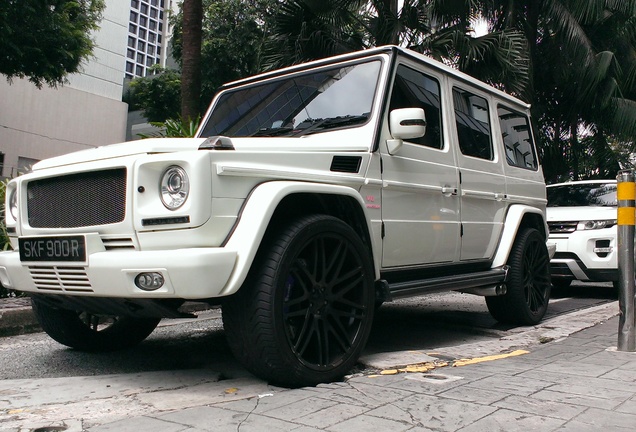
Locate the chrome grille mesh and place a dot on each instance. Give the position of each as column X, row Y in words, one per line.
column 78, row 200
column 562, row 227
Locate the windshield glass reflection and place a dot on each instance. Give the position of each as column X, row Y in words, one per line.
column 309, row 103
column 579, row 195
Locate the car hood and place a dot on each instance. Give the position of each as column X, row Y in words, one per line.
column 152, row 145
column 563, row 214
column 347, row 140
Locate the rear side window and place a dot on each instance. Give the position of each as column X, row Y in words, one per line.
column 517, row 138
column 414, row 89
column 473, row 124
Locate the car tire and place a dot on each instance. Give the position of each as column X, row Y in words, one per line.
column 305, row 311
column 87, row 332
column 528, row 284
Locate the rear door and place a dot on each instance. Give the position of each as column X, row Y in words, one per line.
column 482, row 180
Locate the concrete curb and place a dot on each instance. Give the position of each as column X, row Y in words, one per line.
column 550, row 330
column 17, row 321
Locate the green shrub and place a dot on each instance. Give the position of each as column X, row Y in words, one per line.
column 174, row 128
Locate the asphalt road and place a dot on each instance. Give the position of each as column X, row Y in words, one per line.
column 422, row 323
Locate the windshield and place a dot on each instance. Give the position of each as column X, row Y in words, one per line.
column 586, row 194
column 297, row 105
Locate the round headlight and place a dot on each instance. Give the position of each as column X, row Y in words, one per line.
column 13, row 204
column 175, row 187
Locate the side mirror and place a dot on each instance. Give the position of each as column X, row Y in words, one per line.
column 407, row 123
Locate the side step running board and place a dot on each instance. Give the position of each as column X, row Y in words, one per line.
column 490, row 282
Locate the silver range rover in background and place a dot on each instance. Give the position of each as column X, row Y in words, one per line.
column 309, row 196
column 582, row 220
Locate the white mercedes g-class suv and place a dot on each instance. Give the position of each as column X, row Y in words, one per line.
column 310, row 195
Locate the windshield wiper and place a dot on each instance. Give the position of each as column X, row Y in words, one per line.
column 313, row 125
column 273, row 131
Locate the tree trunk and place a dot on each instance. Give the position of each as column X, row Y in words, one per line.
column 575, row 148
column 191, row 59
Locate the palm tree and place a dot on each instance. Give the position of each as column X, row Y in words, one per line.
column 582, row 77
column 310, row 29
column 191, row 58
column 574, row 61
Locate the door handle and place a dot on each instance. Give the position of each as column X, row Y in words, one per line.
column 500, row 197
column 449, row 190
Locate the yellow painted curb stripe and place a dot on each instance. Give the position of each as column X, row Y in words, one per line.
column 626, row 191
column 465, row 362
column 626, row 216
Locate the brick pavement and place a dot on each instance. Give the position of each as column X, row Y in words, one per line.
column 579, row 383
column 574, row 382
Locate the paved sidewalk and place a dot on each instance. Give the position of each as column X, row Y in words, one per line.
column 578, row 383
column 574, row 381
column 575, row 384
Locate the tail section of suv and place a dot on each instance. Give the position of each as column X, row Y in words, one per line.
column 309, row 196
column 582, row 221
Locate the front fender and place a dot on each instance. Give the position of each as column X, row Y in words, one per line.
column 256, row 215
column 513, row 221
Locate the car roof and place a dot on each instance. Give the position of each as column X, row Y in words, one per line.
column 582, row 182
column 385, row 49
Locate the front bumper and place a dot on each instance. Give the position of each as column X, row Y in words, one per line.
column 585, row 255
column 194, row 273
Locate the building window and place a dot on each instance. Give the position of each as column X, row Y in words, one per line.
column 133, row 16
column 141, row 46
column 151, row 50
column 139, row 71
column 140, row 58
column 160, row 27
column 142, row 33
column 153, row 25
column 132, row 28
column 130, row 54
column 158, row 51
column 144, row 9
column 149, row 61
column 129, row 67
column 153, row 13
column 154, row 2
column 143, row 21
column 134, row 3
column 131, row 41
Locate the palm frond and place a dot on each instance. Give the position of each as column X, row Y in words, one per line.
column 568, row 29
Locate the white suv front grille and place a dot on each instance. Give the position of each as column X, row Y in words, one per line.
column 60, row 279
column 562, row 227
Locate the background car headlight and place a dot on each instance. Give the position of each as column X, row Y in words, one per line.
column 598, row 224
column 175, row 187
column 13, row 204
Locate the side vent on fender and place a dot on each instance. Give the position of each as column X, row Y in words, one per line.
column 349, row 164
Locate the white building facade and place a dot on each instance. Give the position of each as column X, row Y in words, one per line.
column 88, row 111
